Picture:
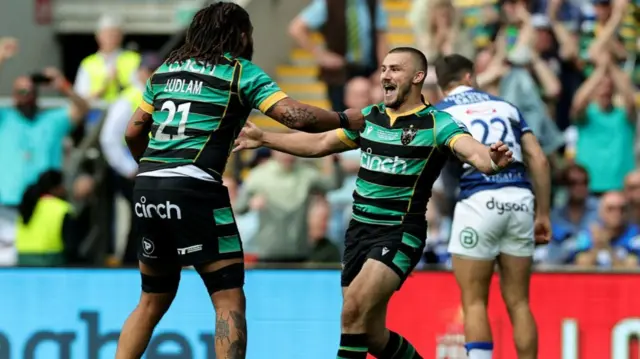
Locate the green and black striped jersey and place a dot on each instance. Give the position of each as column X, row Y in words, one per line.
column 402, row 155
column 199, row 109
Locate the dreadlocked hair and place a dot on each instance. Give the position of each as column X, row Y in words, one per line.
column 214, row 30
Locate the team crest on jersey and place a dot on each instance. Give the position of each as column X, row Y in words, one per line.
column 408, row 134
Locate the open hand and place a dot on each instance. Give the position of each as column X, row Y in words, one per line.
column 500, row 154
column 542, row 229
column 58, row 81
column 8, row 47
column 250, row 137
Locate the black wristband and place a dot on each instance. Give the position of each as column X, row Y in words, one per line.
column 344, row 120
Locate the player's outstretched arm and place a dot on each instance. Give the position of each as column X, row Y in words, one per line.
column 489, row 160
column 540, row 174
column 298, row 143
column 137, row 135
column 302, row 117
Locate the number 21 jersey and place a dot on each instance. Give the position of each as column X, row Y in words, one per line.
column 199, row 109
column 489, row 119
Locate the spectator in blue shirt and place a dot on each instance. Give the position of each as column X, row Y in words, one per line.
column 580, row 211
column 612, row 242
column 31, row 138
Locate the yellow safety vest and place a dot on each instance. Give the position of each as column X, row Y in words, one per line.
column 134, row 96
column 43, row 233
column 126, row 64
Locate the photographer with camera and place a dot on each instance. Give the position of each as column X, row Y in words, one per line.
column 31, row 138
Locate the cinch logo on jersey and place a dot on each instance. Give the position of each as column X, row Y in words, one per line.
column 502, row 207
column 393, row 165
column 164, row 211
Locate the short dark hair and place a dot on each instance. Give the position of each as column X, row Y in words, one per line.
column 417, row 55
column 452, row 68
column 214, row 30
column 574, row 167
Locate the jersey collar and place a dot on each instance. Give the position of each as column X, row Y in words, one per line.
column 460, row 89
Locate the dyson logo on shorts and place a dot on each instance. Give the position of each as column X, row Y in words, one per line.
column 163, row 211
column 502, row 207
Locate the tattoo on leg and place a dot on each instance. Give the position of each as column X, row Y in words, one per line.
column 238, row 348
column 138, row 123
column 223, row 331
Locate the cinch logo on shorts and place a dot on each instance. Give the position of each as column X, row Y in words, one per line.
column 163, row 211
column 502, row 207
column 382, row 164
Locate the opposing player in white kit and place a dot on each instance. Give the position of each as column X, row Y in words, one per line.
column 495, row 218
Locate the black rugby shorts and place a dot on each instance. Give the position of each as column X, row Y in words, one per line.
column 400, row 247
column 183, row 220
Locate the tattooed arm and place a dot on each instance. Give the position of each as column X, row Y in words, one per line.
column 137, row 135
column 307, row 118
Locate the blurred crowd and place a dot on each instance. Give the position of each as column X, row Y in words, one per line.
column 570, row 66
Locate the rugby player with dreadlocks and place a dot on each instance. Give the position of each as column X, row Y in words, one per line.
column 194, row 107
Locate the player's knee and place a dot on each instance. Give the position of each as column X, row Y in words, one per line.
column 515, row 304
column 153, row 306
column 352, row 312
column 229, row 277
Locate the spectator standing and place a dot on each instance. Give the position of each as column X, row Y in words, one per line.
column 438, row 29
column 323, row 250
column 280, row 190
column 599, row 33
column 566, row 55
column 116, row 153
column 355, row 41
column 46, row 234
column 611, row 242
column 31, row 140
column 605, row 131
column 103, row 75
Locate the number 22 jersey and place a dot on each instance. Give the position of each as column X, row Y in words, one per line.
column 198, row 111
column 489, row 119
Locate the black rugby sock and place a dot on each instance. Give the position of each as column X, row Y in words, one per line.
column 353, row 346
column 398, row 348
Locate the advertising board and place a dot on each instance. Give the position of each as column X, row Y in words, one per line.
column 77, row 313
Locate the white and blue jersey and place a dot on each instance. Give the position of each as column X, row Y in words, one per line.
column 489, row 119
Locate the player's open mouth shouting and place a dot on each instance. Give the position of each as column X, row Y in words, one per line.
column 389, row 89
